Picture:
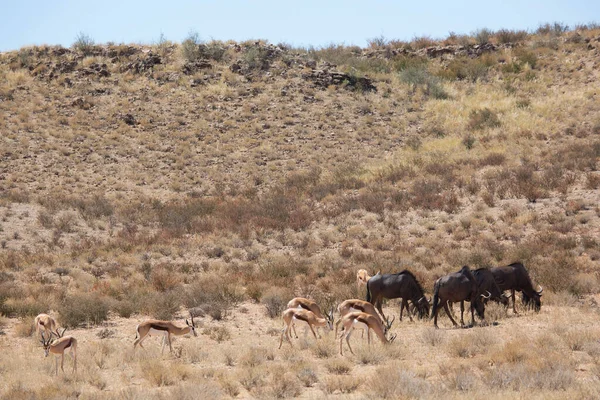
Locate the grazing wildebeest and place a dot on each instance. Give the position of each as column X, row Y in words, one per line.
column 514, row 277
column 455, row 287
column 487, row 283
column 402, row 285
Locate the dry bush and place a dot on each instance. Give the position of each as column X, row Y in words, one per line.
column 217, row 333
column 164, row 278
column 213, row 294
column 284, row 384
column 256, row 356
column 505, row 36
column 163, row 306
column 25, row 327
column 275, row 301
column 229, row 385
column 432, row 337
column 464, row 68
column 307, row 376
column 483, row 118
column 83, row 308
column 392, row 382
column 339, row 366
column 251, row 378
column 340, row 384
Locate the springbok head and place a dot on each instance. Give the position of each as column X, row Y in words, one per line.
column 46, row 344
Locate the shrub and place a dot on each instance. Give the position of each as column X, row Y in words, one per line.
column 482, row 36
column 190, row 46
column 483, row 118
column 83, row 308
column 275, row 301
column 419, row 77
column 83, row 43
column 464, row 68
column 554, row 29
column 394, row 383
column 256, row 58
column 509, row 36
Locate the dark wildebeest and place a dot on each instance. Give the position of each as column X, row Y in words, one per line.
column 514, row 277
column 402, row 285
column 487, row 283
column 457, row 287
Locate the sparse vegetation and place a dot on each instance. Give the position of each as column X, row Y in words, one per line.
column 219, row 178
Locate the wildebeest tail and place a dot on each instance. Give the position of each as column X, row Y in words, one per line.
column 436, row 289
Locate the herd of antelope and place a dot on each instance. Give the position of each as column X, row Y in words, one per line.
column 477, row 287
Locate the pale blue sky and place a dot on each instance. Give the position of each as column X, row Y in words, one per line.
column 300, row 23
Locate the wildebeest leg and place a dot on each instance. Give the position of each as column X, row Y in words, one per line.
column 462, row 311
column 449, row 315
column 472, row 312
column 378, row 304
column 405, row 305
column 513, row 299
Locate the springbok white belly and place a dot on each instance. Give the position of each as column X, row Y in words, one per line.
column 157, row 332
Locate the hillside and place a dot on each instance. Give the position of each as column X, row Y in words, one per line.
column 140, row 180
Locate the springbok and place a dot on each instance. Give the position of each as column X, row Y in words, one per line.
column 361, row 320
column 58, row 347
column 164, row 328
column 298, row 314
column 308, row 305
column 46, row 323
column 352, row 305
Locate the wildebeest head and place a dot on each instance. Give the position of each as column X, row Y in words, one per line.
column 423, row 307
column 480, row 304
column 533, row 300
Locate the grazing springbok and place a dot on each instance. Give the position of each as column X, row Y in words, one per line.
column 352, row 305
column 164, row 328
column 309, row 305
column 514, row 277
column 47, row 324
column 367, row 322
column 403, row 285
column 58, row 347
column 298, row 314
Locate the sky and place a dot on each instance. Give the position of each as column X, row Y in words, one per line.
column 298, row 23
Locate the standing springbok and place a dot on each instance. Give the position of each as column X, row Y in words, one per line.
column 361, row 320
column 308, row 305
column 58, row 347
column 46, row 323
column 164, row 328
column 298, row 314
column 352, row 305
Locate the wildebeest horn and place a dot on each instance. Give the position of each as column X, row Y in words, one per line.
column 541, row 290
column 488, row 296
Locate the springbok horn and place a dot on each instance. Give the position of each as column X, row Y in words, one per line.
column 63, row 332
column 393, row 338
column 541, row 289
column 392, row 321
